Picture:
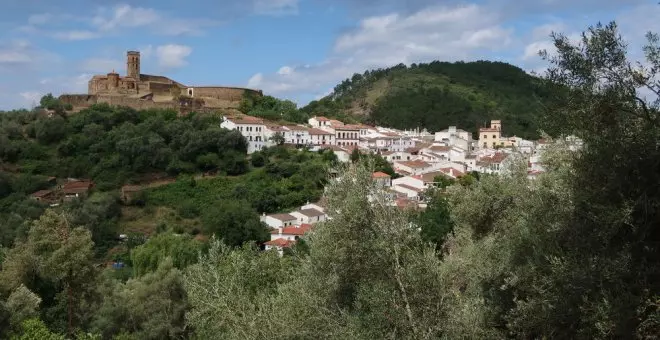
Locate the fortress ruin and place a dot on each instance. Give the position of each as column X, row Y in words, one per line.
column 144, row 91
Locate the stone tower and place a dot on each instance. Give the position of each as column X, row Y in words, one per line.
column 133, row 64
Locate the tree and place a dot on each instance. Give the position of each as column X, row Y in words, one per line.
column 355, row 155
column 278, row 138
column 442, row 181
column 182, row 250
column 22, row 304
column 435, row 221
column 64, row 254
column 34, row 329
column 242, row 280
column 152, row 306
column 235, row 223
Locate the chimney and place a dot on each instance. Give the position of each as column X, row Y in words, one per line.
column 279, row 230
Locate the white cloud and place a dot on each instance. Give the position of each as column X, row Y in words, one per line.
column 39, row 19
column 532, row 50
column 112, row 20
column 255, row 81
column 100, row 65
column 76, row 35
column 31, row 97
column 276, row 7
column 16, row 52
column 284, row 70
column 172, row 55
column 124, row 16
column 435, row 33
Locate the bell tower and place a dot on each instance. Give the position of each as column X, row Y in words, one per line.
column 133, row 64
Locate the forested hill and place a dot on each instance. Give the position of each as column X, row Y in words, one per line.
column 440, row 94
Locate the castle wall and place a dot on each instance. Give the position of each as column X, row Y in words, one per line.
column 137, row 103
column 223, row 93
column 78, row 100
column 160, row 88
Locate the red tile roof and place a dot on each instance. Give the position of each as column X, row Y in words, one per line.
column 314, row 131
column 280, row 242
column 42, row 193
column 321, row 119
column 439, row 148
column 452, row 172
column 293, row 230
column 77, row 187
column 379, row 174
column 495, row 158
column 415, row 164
column 409, row 187
column 245, row 120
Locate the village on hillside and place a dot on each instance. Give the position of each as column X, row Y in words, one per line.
column 417, row 156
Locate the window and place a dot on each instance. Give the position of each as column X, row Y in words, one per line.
column 485, row 136
column 494, row 136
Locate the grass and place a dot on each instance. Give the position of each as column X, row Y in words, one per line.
column 149, row 220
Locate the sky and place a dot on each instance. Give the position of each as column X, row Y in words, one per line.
column 291, row 49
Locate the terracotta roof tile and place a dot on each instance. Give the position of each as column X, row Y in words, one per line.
column 280, row 242
column 379, row 174
column 293, row 230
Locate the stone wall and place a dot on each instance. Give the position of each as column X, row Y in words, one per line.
column 160, row 88
column 79, row 100
column 223, row 93
column 137, row 104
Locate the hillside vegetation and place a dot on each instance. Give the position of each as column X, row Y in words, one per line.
column 572, row 254
column 439, row 94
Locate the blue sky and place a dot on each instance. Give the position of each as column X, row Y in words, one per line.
column 295, row 49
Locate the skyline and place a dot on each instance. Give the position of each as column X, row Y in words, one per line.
column 291, row 49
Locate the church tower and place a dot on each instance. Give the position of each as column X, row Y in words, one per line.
column 133, row 64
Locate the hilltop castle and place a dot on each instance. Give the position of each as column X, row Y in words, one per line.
column 143, row 91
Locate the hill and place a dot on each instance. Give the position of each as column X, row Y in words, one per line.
column 439, row 94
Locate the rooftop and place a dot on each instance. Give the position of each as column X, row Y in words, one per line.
column 315, row 131
column 415, row 164
column 311, row 212
column 282, row 217
column 379, row 174
column 280, row 242
column 293, row 230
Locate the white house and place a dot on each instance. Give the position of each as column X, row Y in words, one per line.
column 316, row 206
column 308, row 216
column 318, row 122
column 285, row 237
column 414, row 167
column 297, row 135
column 347, row 135
column 321, row 137
column 252, row 128
column 412, row 187
column 382, row 179
column 452, row 132
column 493, row 164
column 401, row 143
column 278, row 245
column 278, row 220
column 342, row 154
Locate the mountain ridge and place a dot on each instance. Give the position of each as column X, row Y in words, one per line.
column 438, row 94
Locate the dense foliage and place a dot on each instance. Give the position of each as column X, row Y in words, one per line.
column 572, row 254
column 114, row 145
column 440, row 94
column 271, row 108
